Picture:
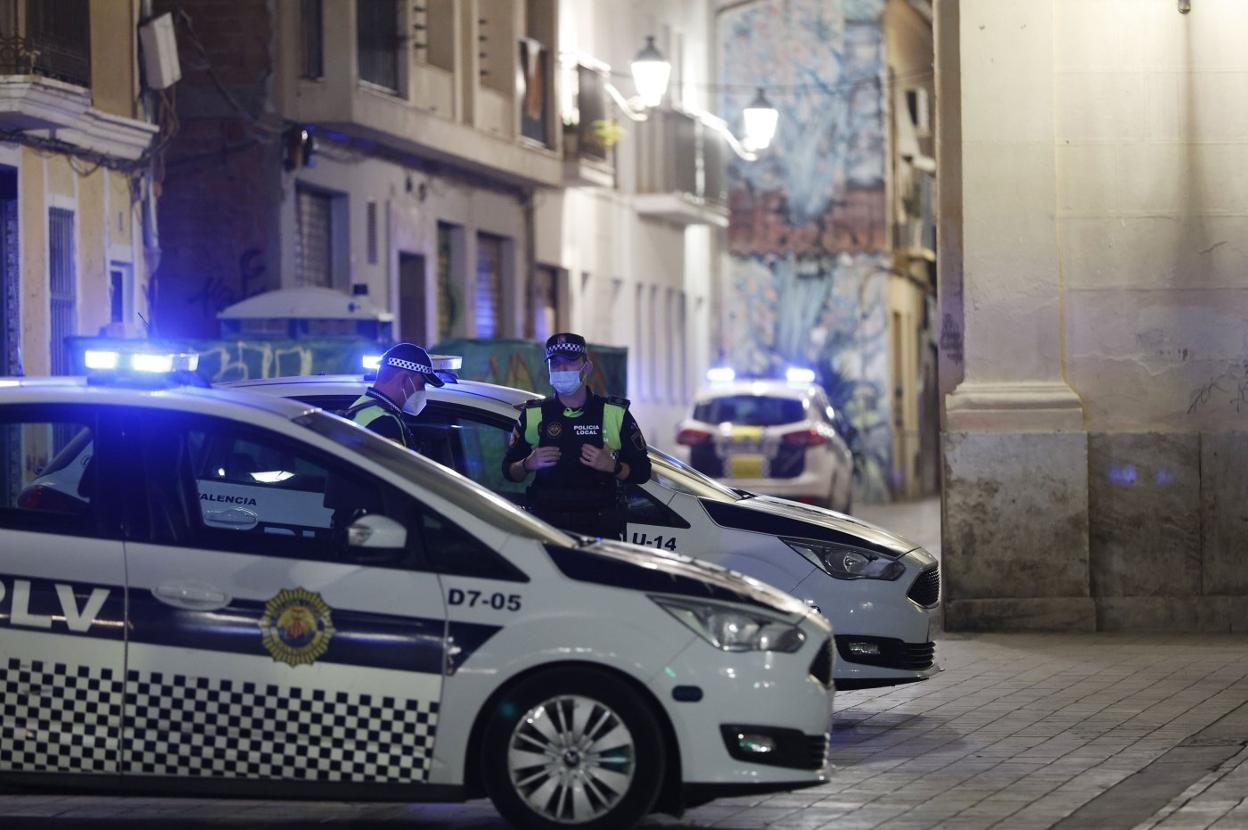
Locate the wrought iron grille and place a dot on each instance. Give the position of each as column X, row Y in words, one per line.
column 52, row 38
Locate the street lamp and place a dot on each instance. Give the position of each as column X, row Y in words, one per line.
column 760, row 122
column 651, row 72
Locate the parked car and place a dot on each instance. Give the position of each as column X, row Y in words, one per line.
column 880, row 592
column 222, row 593
column 779, row 437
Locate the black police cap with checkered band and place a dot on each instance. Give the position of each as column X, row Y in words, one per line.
column 566, row 343
column 411, row 358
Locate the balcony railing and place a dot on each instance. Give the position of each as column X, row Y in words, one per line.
column 52, row 38
column 677, row 153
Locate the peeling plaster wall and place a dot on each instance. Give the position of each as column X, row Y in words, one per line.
column 1152, row 134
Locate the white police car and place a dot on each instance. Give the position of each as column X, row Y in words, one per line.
column 880, row 591
column 780, row 437
column 168, row 623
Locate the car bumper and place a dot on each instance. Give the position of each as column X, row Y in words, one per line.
column 874, row 615
column 754, row 693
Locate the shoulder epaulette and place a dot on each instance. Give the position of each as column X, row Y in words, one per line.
column 618, row 401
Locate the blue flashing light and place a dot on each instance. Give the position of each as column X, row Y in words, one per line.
column 371, row 362
column 797, row 375
column 721, row 374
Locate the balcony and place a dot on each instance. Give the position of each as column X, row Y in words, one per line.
column 45, row 78
column 487, row 109
column 681, row 174
column 588, row 134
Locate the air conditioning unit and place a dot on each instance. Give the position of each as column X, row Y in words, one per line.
column 160, row 52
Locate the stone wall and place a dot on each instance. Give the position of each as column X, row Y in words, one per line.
column 1095, row 447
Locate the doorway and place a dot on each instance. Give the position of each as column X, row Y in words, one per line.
column 412, row 299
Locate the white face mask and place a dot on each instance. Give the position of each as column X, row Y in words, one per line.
column 566, row 383
column 415, row 402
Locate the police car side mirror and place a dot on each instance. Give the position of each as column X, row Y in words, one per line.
column 376, row 532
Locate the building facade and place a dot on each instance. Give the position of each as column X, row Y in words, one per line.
column 1094, row 313
column 832, row 237
column 461, row 162
column 75, row 248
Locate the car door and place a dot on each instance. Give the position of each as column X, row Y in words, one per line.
column 62, row 593
column 263, row 645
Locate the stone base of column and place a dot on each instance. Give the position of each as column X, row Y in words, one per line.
column 1015, row 530
column 1021, row 614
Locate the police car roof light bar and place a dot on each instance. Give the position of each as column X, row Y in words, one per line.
column 95, row 360
column 721, row 374
column 795, row 374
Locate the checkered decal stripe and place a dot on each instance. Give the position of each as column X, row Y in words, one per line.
column 193, row 726
column 409, row 365
column 58, row 718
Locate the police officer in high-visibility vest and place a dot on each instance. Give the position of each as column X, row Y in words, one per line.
column 399, row 390
column 580, row 446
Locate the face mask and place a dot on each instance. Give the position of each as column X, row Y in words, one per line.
column 415, row 402
column 565, row 383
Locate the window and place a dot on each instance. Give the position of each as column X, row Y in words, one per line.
column 48, row 478
column 370, row 231
column 58, row 39
column 314, row 238
column 645, row 509
column 62, row 286
column 377, row 38
column 544, row 321
column 750, row 410
column 312, row 39
column 221, row 485
column 489, row 290
column 470, row 444
column 450, row 305
column 449, row 549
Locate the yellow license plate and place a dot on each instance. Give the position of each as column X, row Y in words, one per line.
column 747, row 466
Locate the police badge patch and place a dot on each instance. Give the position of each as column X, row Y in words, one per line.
column 296, row 627
column 554, row 429
column 639, row 441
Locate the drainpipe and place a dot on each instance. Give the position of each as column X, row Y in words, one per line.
column 150, row 225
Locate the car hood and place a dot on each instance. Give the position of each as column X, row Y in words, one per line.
column 780, row 517
column 622, row 565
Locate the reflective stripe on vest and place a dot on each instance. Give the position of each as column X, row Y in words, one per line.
column 366, row 410
column 612, row 424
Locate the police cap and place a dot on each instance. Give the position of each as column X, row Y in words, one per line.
column 411, row 358
column 566, row 343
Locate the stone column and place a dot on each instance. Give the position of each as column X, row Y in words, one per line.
column 1015, row 540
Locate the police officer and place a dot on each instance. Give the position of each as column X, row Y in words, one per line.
column 579, row 445
column 398, row 390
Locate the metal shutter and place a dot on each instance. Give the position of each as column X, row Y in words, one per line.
column 314, row 239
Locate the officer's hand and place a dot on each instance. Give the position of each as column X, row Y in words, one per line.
column 541, row 458
column 598, row 458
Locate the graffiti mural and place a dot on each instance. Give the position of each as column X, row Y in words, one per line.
column 807, row 233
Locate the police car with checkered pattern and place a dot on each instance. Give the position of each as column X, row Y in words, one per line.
column 168, row 623
column 880, row 591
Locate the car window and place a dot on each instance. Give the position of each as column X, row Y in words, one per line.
column 449, row 549
column 48, row 478
column 222, row 485
column 750, row 410
column 475, row 444
column 644, row 509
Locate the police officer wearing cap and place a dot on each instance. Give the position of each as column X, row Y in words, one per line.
column 398, row 390
column 579, row 446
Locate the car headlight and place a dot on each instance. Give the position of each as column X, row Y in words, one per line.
column 846, row 561
column 734, row 629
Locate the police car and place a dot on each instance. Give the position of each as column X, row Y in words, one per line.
column 173, row 618
column 881, row 592
column 776, row 436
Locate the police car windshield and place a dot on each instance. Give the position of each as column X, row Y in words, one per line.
column 448, row 484
column 675, row 474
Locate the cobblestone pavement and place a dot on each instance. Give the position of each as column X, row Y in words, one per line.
column 1019, row 731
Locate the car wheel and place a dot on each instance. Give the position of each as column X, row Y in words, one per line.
column 573, row 748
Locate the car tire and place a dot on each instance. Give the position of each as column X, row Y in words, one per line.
column 573, row 787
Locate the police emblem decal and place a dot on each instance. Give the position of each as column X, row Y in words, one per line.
column 296, row 627
column 554, row 429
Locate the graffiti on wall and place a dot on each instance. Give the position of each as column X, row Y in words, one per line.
column 522, row 364
column 808, row 230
